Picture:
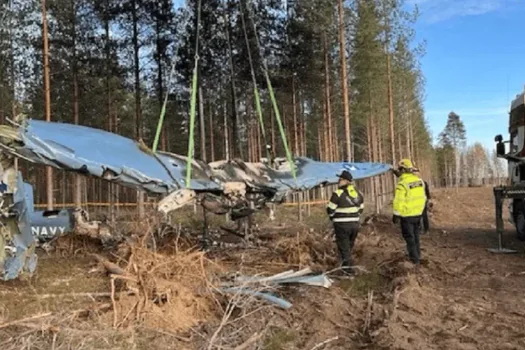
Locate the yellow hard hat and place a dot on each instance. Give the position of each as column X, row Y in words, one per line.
column 406, row 163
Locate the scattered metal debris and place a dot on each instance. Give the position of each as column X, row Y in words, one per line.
column 17, row 244
column 287, row 277
column 267, row 296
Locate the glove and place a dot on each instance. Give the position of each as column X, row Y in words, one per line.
column 395, row 219
column 430, row 205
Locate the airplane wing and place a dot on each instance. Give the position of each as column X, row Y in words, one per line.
column 102, row 154
column 118, row 159
column 279, row 178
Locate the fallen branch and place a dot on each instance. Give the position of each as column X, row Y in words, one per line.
column 11, row 339
column 249, row 341
column 115, row 317
column 39, row 316
column 320, row 345
column 82, row 294
column 109, row 266
column 127, row 278
column 369, row 311
column 171, row 334
column 31, row 318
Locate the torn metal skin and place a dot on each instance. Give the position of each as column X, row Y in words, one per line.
column 228, row 186
column 125, row 162
column 17, row 244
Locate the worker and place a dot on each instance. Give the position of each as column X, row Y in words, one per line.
column 425, row 223
column 344, row 209
column 408, row 207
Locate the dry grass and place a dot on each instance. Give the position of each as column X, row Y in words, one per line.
column 152, row 290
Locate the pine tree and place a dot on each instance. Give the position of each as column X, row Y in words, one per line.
column 454, row 136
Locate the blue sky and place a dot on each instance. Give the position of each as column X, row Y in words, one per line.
column 475, row 62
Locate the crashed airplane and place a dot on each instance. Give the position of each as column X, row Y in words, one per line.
column 223, row 187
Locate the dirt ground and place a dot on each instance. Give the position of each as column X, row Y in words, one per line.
column 463, row 297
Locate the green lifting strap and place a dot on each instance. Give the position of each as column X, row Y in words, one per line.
column 163, row 110
column 255, row 90
column 272, row 97
column 193, row 101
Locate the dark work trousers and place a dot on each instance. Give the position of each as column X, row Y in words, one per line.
column 410, row 228
column 424, row 219
column 345, row 235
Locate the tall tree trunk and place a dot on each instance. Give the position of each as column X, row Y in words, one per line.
column 411, row 133
column 160, row 81
column 390, row 98
column 374, row 147
column 226, row 134
column 235, row 116
column 320, row 142
column 138, row 104
column 457, row 167
column 296, row 134
column 272, row 118
column 302, row 124
column 258, row 144
column 344, row 81
column 391, row 108
column 446, row 170
column 327, row 98
column 371, row 154
column 408, row 139
column 111, row 122
column 382, row 178
column 78, row 180
column 249, row 132
column 399, row 146
column 376, row 158
column 335, row 143
column 47, row 92
column 12, row 75
column 212, row 133
column 13, row 78
column 326, row 133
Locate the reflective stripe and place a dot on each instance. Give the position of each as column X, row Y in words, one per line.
column 355, row 219
column 350, row 210
column 332, row 205
column 396, row 213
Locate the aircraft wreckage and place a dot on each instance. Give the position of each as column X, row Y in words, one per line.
column 223, row 187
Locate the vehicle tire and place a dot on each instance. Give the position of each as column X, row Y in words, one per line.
column 519, row 222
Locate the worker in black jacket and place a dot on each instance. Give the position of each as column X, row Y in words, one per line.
column 344, row 209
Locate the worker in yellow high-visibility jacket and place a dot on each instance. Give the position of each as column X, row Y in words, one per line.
column 409, row 204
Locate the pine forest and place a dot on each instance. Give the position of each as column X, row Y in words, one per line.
column 346, row 76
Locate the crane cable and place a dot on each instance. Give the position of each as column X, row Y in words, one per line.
column 193, row 100
column 272, row 97
column 255, row 89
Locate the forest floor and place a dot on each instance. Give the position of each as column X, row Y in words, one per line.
column 463, row 297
